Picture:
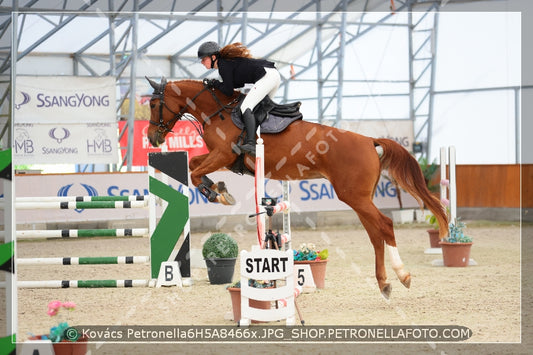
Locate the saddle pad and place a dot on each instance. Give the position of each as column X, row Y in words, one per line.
column 272, row 124
column 273, row 117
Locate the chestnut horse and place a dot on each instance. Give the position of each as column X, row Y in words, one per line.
column 305, row 150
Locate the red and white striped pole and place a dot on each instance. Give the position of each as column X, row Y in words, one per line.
column 260, row 187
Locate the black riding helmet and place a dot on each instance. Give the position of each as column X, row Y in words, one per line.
column 207, row 49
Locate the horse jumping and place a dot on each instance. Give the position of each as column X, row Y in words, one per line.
column 304, row 150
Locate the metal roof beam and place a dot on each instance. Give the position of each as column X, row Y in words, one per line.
column 54, row 30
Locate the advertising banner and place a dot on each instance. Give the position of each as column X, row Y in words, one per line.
column 305, row 196
column 65, row 119
column 86, row 143
column 184, row 137
column 65, row 99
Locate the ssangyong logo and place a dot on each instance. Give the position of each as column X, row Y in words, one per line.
column 25, row 99
column 59, row 134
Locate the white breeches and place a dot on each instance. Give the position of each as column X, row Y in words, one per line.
column 267, row 85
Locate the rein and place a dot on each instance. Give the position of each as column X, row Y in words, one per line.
column 161, row 125
column 164, row 127
column 226, row 108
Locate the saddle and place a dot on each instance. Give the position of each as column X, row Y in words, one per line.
column 272, row 117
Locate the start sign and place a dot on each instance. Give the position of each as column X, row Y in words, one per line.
column 271, row 264
column 266, row 264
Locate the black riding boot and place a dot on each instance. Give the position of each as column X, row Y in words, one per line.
column 250, row 126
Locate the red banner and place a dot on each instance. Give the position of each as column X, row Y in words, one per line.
column 183, row 137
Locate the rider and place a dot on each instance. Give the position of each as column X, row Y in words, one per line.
column 236, row 67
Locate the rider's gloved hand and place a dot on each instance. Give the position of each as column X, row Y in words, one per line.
column 210, row 83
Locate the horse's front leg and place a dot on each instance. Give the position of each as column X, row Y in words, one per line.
column 200, row 166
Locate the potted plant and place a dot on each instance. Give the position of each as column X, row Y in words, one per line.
column 220, row 254
column 433, row 232
column 456, row 246
column 316, row 259
column 65, row 339
column 235, row 294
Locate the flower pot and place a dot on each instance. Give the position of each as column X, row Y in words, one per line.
column 220, row 271
column 235, row 293
column 65, row 347
column 434, row 238
column 455, row 254
column 403, row 216
column 318, row 269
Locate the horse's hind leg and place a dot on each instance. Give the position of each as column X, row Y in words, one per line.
column 381, row 233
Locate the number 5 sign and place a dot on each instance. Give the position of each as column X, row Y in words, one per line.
column 304, row 278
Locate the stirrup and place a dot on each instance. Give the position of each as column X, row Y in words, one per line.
column 248, row 148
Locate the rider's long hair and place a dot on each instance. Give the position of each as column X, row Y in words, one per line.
column 235, row 50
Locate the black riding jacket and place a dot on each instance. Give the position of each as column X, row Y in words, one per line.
column 236, row 72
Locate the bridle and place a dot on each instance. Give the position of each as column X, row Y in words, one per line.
column 159, row 93
column 164, row 127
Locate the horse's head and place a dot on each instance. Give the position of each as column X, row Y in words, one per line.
column 163, row 114
column 158, row 128
column 171, row 101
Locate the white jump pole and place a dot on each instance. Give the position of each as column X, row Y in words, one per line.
column 448, row 156
column 453, row 186
column 80, row 233
column 11, row 300
column 86, row 283
column 287, row 215
column 80, row 198
column 443, row 175
column 80, row 205
column 152, row 214
column 97, row 260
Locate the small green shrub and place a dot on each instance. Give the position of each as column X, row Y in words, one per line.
column 220, row 245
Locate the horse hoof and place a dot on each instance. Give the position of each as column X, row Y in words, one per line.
column 229, row 198
column 407, row 281
column 386, row 291
column 226, row 199
column 221, row 187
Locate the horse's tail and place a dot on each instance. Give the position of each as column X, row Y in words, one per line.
column 405, row 170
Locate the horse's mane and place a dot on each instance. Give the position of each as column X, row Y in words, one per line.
column 187, row 81
column 196, row 82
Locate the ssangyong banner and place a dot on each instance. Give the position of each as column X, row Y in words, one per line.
column 184, row 137
column 65, row 99
column 82, row 143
